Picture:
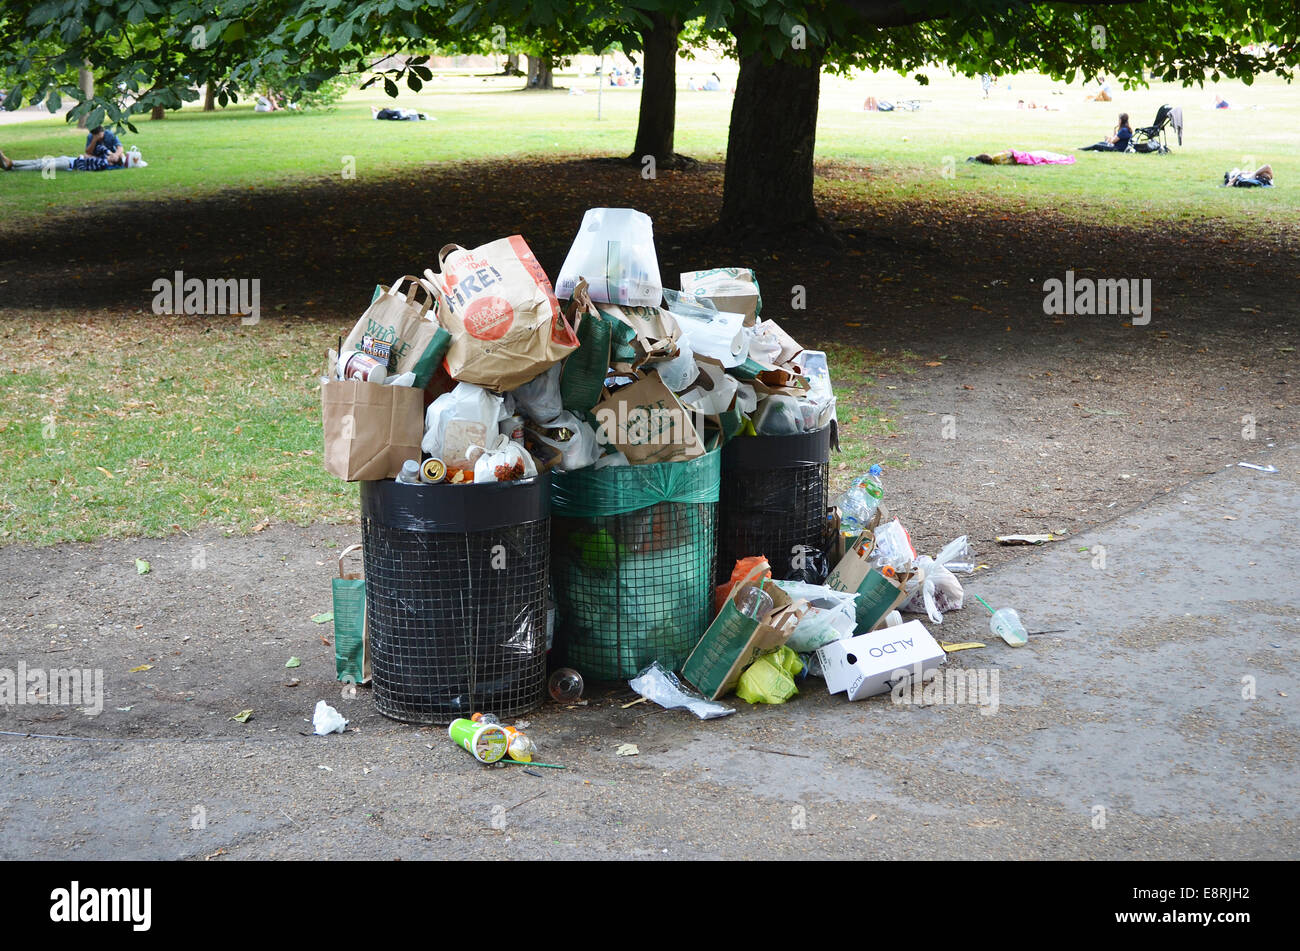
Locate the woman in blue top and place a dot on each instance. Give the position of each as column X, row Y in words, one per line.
column 1119, row 142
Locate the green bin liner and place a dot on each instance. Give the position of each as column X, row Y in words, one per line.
column 632, row 559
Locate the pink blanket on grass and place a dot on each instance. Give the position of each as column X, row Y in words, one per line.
column 1041, row 158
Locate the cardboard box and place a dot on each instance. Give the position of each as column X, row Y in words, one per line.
column 731, row 289
column 734, row 641
column 872, row 663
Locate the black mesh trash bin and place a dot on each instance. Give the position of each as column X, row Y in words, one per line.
column 775, row 492
column 633, row 550
column 456, row 579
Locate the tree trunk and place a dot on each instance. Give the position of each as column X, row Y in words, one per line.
column 539, row 72
column 768, row 191
column 657, row 120
column 512, row 65
column 210, row 98
column 85, row 80
column 158, row 112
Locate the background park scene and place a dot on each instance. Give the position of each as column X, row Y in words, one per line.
column 193, row 441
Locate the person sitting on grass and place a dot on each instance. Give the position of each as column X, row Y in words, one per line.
column 1119, row 142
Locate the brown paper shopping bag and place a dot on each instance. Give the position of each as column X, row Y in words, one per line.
column 370, row 429
column 399, row 317
column 504, row 319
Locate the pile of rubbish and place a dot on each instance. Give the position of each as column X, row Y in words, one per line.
column 482, row 372
column 512, row 384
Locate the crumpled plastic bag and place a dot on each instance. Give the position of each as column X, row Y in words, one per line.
column 830, row 613
column 580, row 450
column 327, row 720
column 940, row 592
column 466, row 416
column 662, row 686
column 502, row 460
column 539, row 399
column 770, row 679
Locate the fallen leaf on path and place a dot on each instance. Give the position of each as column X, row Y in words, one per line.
column 136, row 670
column 628, row 749
column 322, row 618
column 292, row 662
column 141, row 566
column 243, row 716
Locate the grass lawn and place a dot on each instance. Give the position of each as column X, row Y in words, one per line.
column 890, row 157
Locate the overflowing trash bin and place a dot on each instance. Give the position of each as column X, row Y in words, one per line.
column 633, row 552
column 773, row 501
column 456, row 581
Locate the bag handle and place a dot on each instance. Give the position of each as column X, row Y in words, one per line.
column 446, row 251
column 343, row 554
column 394, row 289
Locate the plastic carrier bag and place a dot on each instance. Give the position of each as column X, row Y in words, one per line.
column 615, row 252
column 632, row 555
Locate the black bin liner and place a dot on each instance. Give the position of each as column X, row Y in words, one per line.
column 774, row 497
column 456, row 580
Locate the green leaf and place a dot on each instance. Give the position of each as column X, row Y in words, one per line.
column 323, row 618
column 292, row 662
column 141, row 566
column 304, row 31
column 413, row 82
column 234, row 32
column 390, row 88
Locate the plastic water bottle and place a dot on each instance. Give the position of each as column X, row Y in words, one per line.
column 860, row 502
column 410, row 474
column 565, row 685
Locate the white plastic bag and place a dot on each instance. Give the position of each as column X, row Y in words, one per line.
column 709, row 331
column 580, row 450
column 719, row 397
column 503, row 460
column 940, row 592
column 615, row 251
column 467, row 416
column 679, row 372
column 325, row 719
column 539, row 398
column 830, row 616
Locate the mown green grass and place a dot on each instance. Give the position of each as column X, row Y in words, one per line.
column 110, row 428
column 885, row 157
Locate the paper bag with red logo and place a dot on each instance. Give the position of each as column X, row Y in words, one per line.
column 498, row 305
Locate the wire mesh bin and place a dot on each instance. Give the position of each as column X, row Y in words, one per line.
column 775, row 492
column 633, row 555
column 456, row 579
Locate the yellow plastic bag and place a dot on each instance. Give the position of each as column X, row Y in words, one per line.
column 770, row 679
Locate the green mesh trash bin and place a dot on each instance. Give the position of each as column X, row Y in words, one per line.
column 632, row 557
column 773, row 500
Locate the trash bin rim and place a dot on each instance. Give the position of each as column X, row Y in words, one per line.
column 778, row 452
column 456, row 509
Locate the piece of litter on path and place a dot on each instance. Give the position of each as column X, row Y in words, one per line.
column 292, row 662
column 322, row 618
column 628, row 749
column 1023, row 539
column 760, row 749
column 326, row 768
column 1251, row 465
column 136, row 670
column 963, row 646
column 634, row 702
column 293, row 682
column 325, row 719
column 141, row 566
column 243, row 716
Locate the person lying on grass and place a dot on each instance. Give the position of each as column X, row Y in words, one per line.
column 1119, row 142
column 1017, row 157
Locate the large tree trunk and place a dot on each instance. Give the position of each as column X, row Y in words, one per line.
column 657, row 121
column 540, row 72
column 210, row 97
column 158, row 112
column 512, row 65
column 768, row 191
column 86, row 81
